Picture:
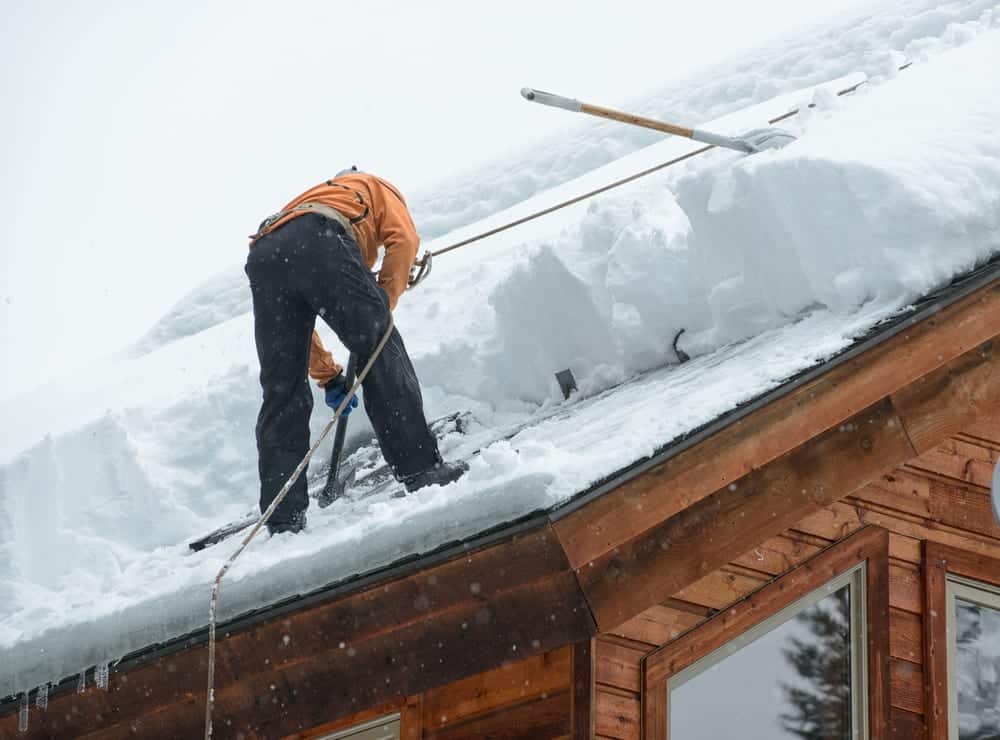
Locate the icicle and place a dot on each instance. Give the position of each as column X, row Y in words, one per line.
column 42, row 697
column 22, row 716
column 81, row 683
column 101, row 676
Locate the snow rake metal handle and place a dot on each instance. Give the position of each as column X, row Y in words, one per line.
column 210, row 702
column 571, row 104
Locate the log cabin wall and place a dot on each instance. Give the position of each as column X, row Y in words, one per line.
column 940, row 497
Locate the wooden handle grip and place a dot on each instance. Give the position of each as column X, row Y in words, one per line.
column 614, row 115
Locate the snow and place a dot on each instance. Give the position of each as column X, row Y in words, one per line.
column 772, row 263
column 871, row 43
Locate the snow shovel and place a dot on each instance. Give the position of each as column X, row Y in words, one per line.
column 752, row 141
column 334, row 489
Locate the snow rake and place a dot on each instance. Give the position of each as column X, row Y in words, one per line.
column 752, row 141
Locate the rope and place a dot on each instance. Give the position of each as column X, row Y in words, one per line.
column 210, row 703
column 619, row 183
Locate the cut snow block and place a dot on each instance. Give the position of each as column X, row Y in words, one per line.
column 567, row 383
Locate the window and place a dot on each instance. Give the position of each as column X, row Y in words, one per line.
column 790, row 662
column 384, row 728
column 796, row 675
column 973, row 629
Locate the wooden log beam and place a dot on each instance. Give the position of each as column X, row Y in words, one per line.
column 772, row 431
column 945, row 401
column 678, row 551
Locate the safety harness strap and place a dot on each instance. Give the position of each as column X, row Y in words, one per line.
column 309, row 207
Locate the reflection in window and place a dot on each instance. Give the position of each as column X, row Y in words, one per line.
column 795, row 676
column 974, row 657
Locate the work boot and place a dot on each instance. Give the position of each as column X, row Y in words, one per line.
column 440, row 474
column 294, row 525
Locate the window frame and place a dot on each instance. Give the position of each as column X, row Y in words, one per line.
column 345, row 733
column 866, row 552
column 945, row 568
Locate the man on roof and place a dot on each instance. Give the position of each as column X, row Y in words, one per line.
column 314, row 258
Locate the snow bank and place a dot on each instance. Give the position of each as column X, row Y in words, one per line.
column 885, row 197
column 772, row 263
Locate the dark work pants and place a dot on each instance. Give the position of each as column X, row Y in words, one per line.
column 307, row 267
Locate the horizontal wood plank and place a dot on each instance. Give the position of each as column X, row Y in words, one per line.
column 905, row 725
column 720, row 588
column 906, row 637
column 905, row 588
column 906, row 682
column 850, row 515
column 961, row 460
column 658, row 625
column 778, row 555
column 618, row 715
column 618, row 666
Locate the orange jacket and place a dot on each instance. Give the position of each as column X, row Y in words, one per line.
column 379, row 215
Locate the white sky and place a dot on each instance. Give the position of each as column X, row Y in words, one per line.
column 142, row 141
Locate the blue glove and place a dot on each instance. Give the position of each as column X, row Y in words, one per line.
column 336, row 391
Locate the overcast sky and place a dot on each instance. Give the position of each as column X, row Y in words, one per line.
column 142, row 141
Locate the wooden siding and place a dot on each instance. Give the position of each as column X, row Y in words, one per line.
column 940, row 497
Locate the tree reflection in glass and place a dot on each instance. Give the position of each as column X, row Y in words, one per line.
column 793, row 681
column 977, row 671
column 820, row 699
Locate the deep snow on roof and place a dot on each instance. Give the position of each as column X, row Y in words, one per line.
column 772, row 264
